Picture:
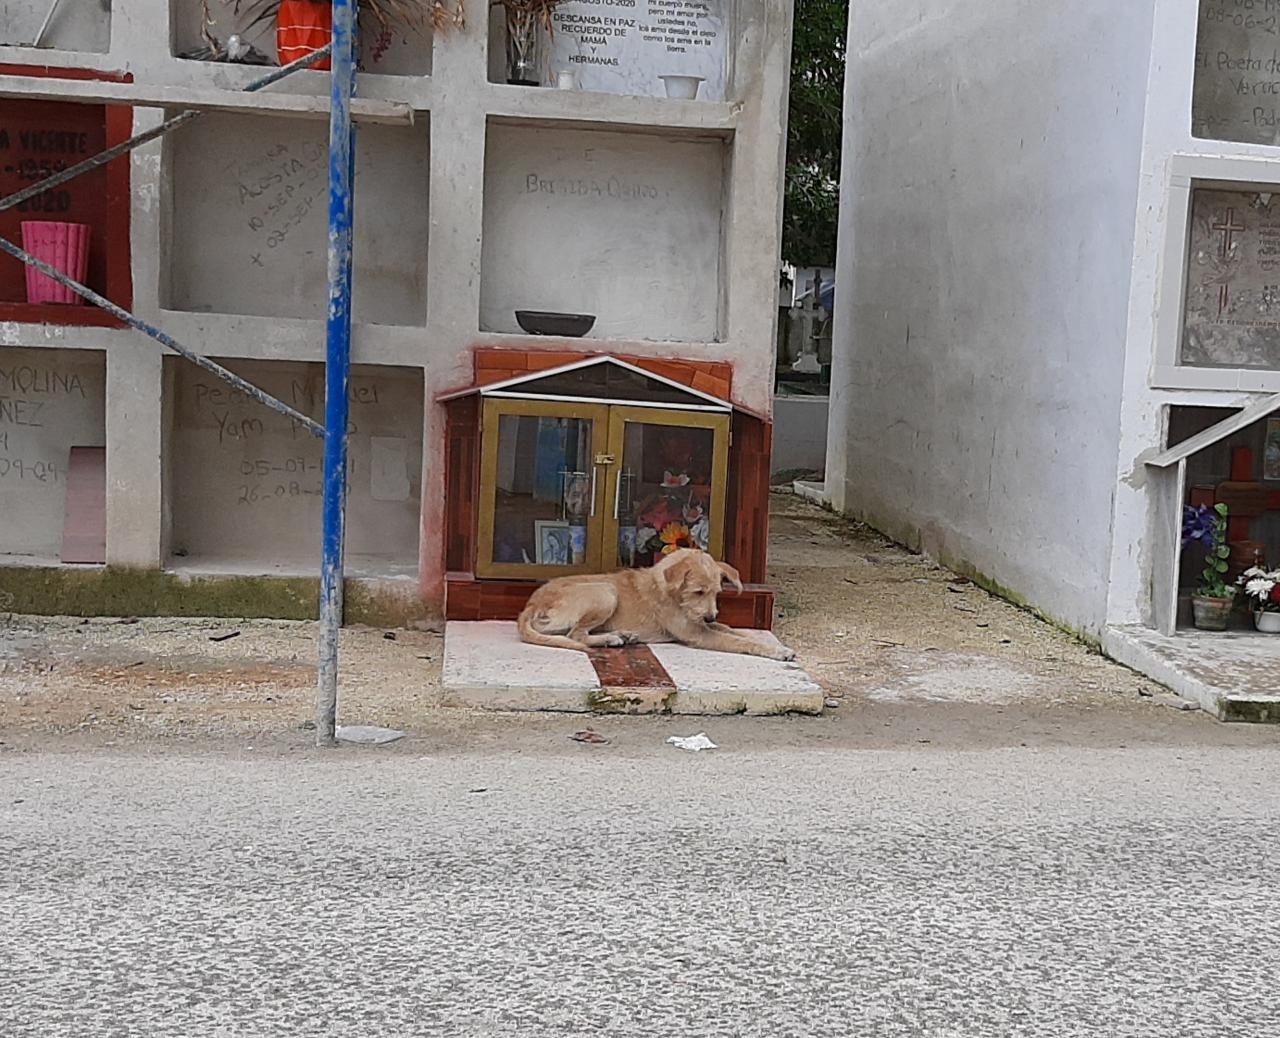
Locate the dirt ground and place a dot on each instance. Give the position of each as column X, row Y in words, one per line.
column 910, row 655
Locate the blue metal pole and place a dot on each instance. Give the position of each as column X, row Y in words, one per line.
column 337, row 362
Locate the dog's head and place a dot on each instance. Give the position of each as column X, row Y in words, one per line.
column 694, row 579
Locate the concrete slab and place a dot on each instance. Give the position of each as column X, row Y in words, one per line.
column 812, row 492
column 727, row 683
column 487, row 667
column 1233, row 675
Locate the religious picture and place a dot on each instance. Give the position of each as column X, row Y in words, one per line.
column 1271, row 450
column 1232, row 315
column 554, row 543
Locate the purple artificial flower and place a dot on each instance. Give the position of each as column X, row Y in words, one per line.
column 1198, row 526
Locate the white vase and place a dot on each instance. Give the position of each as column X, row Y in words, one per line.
column 1268, row 622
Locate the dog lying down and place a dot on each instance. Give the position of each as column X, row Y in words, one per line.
column 674, row 601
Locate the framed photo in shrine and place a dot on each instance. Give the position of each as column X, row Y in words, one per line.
column 1271, row 451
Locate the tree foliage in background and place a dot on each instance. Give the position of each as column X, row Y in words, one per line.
column 812, row 199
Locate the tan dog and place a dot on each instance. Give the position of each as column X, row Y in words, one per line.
column 674, row 601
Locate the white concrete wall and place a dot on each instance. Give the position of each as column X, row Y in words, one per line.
column 799, row 433
column 442, row 213
column 636, row 222
column 987, row 217
column 1172, row 162
column 49, row 403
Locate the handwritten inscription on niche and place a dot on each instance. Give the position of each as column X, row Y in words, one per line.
column 624, row 46
column 275, row 459
column 1236, row 96
column 276, row 193
column 28, row 397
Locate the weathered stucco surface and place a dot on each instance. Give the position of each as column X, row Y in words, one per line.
column 987, row 214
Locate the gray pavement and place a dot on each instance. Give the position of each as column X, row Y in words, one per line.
column 1047, row 892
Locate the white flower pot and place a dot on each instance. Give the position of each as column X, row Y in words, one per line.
column 1268, row 622
column 684, row 88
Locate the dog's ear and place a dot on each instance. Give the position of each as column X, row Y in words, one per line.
column 677, row 571
column 729, row 575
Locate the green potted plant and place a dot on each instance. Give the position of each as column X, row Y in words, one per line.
column 1207, row 527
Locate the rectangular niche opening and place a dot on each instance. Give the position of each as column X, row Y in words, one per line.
column 51, row 401
column 625, row 47
column 624, row 226
column 1231, row 302
column 1236, row 87
column 393, row 51
column 38, row 138
column 84, row 27
column 243, row 483
column 247, row 229
column 1242, row 470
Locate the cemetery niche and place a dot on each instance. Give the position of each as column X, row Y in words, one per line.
column 643, row 48
column 1236, row 92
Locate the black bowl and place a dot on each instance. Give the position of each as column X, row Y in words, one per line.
column 542, row 322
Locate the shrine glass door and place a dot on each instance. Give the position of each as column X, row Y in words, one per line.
column 539, row 513
column 666, row 484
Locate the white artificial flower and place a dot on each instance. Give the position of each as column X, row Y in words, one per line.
column 1259, row 587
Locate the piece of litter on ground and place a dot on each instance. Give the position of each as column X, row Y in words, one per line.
column 692, row 742
column 832, row 703
column 389, row 635
column 367, row 735
column 588, row 735
column 127, row 620
column 224, row 637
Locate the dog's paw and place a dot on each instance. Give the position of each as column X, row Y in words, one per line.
column 784, row 655
column 629, row 637
column 616, row 640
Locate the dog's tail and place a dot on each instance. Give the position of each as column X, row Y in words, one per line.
column 526, row 624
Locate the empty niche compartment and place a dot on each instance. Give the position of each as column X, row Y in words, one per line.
column 247, row 228
column 624, row 226
column 243, row 483
column 1231, row 310
column 84, row 27
column 391, row 50
column 51, row 401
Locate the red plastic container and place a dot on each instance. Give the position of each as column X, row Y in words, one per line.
column 303, row 26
